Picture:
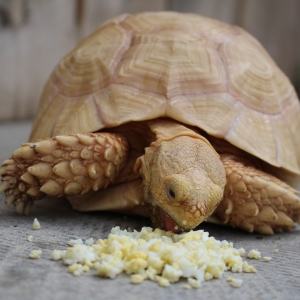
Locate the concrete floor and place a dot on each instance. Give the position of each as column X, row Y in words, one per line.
column 24, row 278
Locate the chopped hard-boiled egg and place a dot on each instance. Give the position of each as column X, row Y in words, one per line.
column 35, row 253
column 234, row 282
column 158, row 255
column 137, row 278
column 36, row 224
column 254, row 254
column 267, row 258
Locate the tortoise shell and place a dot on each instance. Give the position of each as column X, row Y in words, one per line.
column 196, row 70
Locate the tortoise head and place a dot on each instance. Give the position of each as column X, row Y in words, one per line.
column 183, row 181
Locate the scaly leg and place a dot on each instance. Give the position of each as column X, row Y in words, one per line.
column 62, row 165
column 256, row 201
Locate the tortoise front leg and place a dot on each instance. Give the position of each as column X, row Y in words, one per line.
column 256, row 201
column 62, row 165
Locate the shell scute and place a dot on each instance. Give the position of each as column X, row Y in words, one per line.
column 91, row 65
column 196, row 70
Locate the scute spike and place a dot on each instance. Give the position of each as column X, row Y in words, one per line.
column 110, row 171
column 247, row 179
column 234, row 178
column 25, row 152
column 9, row 200
column 48, row 158
column 246, row 226
column 8, row 162
column 58, row 153
column 259, row 183
column 67, row 141
column 249, row 209
column 28, row 178
column 4, row 186
column 229, row 209
column 264, row 229
column 73, row 188
column 19, row 207
column 75, row 154
column 98, row 184
column 101, row 140
column 33, row 191
column 42, row 170
column 274, row 190
column 86, row 139
column 2, row 171
column 27, row 208
column 267, row 214
column 77, row 167
column 296, row 205
column 52, row 188
column 45, row 146
column 110, row 154
column 86, row 154
column 63, row 170
column 284, row 220
column 240, row 186
column 290, row 198
column 95, row 170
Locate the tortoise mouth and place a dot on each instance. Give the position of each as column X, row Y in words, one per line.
column 168, row 223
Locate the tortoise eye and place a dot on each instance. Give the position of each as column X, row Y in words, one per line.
column 170, row 191
column 171, row 194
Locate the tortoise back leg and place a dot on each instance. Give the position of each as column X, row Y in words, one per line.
column 256, row 201
column 62, row 165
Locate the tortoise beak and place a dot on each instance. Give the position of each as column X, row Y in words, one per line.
column 162, row 220
column 168, row 222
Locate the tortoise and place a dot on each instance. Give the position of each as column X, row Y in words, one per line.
column 172, row 116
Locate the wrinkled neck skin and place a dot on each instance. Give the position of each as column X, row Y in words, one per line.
column 183, row 181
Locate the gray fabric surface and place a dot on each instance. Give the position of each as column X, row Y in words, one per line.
column 24, row 278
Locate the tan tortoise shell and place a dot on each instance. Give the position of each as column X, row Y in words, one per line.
column 193, row 69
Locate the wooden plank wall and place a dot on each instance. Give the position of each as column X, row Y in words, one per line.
column 34, row 35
